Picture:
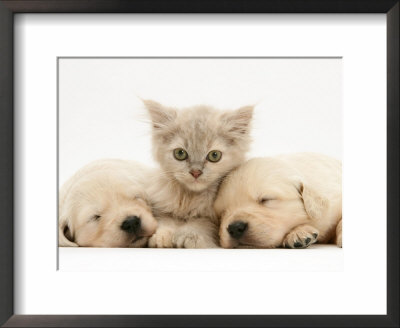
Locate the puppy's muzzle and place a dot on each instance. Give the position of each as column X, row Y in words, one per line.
column 237, row 229
column 131, row 224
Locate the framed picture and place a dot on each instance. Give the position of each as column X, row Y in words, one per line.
column 76, row 82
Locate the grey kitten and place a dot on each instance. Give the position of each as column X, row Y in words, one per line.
column 195, row 147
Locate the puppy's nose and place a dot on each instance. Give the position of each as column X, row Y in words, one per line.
column 237, row 229
column 196, row 173
column 131, row 224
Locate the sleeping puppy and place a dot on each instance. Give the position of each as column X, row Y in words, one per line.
column 104, row 205
column 288, row 201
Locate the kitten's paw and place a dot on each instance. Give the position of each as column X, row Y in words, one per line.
column 191, row 240
column 186, row 240
column 301, row 237
column 161, row 239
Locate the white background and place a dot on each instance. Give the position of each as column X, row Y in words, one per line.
column 359, row 289
column 298, row 103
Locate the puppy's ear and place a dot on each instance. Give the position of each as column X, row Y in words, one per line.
column 161, row 116
column 65, row 237
column 315, row 203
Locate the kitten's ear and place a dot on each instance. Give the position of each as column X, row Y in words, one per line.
column 238, row 121
column 160, row 115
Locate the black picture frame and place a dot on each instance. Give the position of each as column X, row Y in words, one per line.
column 10, row 7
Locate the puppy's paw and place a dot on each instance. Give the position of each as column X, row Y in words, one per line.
column 161, row 239
column 339, row 241
column 339, row 234
column 301, row 237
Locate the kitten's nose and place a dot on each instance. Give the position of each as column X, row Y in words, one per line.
column 196, row 173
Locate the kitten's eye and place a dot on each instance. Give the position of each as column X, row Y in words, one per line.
column 95, row 218
column 214, row 156
column 180, row 154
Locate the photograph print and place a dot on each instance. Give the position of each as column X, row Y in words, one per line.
column 200, row 152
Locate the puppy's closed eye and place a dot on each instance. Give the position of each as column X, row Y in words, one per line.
column 268, row 202
column 95, row 217
column 265, row 200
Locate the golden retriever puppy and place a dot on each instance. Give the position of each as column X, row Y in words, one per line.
column 287, row 201
column 104, row 205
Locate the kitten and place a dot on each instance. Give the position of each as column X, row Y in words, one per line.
column 195, row 147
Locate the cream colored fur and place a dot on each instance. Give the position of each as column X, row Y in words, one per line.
column 287, row 201
column 182, row 204
column 113, row 190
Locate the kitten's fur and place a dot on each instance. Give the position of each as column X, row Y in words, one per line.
column 182, row 204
